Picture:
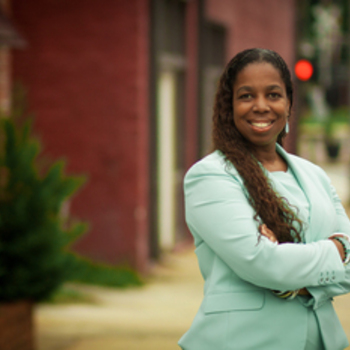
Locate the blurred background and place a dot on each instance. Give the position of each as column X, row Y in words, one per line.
column 123, row 90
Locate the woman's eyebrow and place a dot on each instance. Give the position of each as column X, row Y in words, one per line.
column 249, row 88
column 244, row 88
column 274, row 86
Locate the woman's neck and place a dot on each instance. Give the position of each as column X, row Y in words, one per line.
column 270, row 159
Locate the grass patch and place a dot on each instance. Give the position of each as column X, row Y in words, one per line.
column 68, row 295
column 83, row 270
column 338, row 119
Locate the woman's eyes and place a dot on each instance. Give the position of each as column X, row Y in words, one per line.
column 273, row 95
column 245, row 96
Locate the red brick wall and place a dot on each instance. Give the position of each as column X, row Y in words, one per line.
column 191, row 139
column 5, row 80
column 5, row 69
column 16, row 326
column 264, row 23
column 86, row 73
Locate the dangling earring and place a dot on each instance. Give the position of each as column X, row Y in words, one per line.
column 286, row 128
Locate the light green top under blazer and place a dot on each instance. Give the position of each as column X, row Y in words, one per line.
column 239, row 312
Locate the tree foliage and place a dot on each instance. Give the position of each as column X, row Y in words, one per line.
column 34, row 236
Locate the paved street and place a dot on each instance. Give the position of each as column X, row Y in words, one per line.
column 151, row 317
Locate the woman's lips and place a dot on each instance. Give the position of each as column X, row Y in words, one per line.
column 261, row 126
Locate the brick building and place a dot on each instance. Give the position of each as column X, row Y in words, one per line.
column 123, row 90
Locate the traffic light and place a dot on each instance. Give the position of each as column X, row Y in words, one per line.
column 303, row 69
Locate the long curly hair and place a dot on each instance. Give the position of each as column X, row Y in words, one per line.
column 270, row 208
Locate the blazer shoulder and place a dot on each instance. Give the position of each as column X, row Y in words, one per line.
column 212, row 164
column 308, row 166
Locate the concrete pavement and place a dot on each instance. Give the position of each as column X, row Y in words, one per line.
column 150, row 317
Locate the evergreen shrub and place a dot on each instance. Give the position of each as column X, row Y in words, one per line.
column 34, row 236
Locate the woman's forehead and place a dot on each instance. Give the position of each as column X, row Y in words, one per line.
column 259, row 73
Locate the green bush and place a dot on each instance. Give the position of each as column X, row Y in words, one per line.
column 337, row 116
column 82, row 270
column 33, row 235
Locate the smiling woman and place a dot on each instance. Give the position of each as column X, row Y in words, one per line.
column 271, row 236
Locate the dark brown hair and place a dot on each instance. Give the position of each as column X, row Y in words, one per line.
column 270, row 208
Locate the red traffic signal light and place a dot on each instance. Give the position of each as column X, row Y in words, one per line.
column 303, row 70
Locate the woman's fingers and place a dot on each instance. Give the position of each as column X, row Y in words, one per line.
column 265, row 231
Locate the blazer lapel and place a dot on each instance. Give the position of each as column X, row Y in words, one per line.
column 317, row 201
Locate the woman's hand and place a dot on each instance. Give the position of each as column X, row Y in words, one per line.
column 265, row 231
column 340, row 248
column 303, row 291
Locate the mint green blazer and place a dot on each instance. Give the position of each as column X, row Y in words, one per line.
column 239, row 311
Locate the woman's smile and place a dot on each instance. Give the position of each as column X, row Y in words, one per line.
column 261, row 126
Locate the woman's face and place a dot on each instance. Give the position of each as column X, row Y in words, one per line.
column 260, row 104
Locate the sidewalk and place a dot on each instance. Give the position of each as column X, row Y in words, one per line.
column 151, row 317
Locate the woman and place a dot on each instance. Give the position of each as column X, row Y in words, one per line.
column 271, row 235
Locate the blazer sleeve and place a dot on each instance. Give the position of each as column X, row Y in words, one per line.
column 323, row 293
column 218, row 212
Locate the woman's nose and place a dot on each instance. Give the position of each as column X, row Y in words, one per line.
column 261, row 105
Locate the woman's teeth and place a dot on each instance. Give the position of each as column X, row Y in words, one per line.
column 261, row 124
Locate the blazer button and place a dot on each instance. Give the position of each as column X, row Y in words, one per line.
column 321, row 280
